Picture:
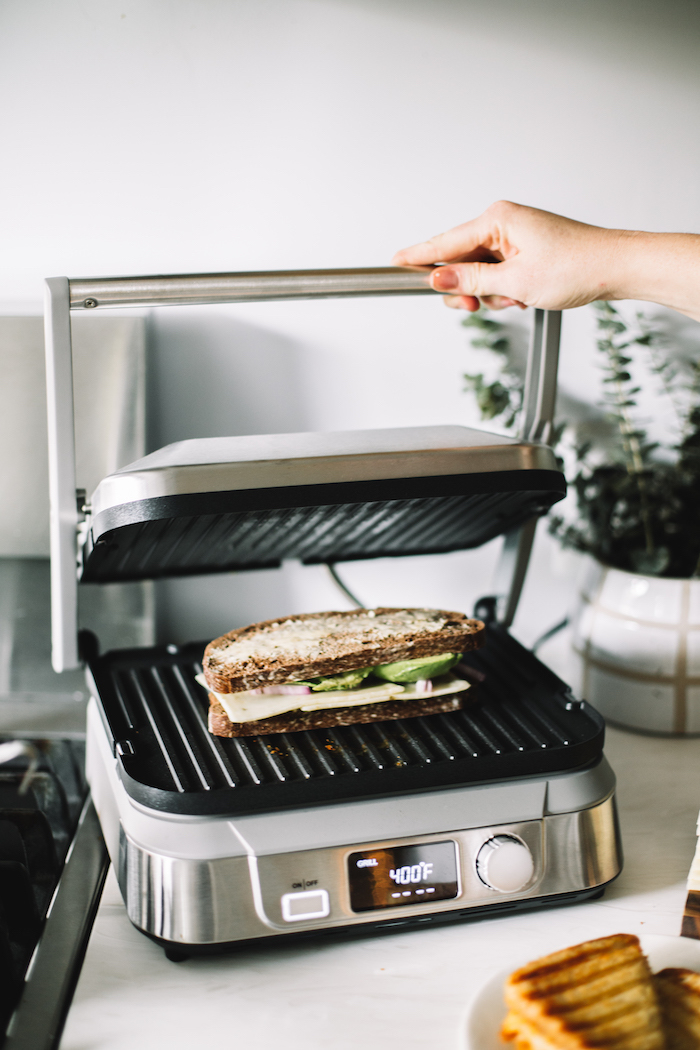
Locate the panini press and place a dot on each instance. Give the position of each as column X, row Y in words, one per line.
column 505, row 805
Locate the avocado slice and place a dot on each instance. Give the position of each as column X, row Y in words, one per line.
column 411, row 670
column 346, row 680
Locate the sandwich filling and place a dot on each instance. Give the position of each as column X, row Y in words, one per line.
column 402, row 680
column 252, row 705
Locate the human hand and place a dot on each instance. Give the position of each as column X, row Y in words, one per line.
column 518, row 256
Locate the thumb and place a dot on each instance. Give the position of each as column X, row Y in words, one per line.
column 474, row 278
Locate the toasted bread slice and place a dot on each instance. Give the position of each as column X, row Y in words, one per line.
column 298, row 721
column 524, row 1036
column 317, row 644
column 596, row 994
column 679, row 995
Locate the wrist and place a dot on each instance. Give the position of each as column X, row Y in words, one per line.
column 622, row 257
column 661, row 268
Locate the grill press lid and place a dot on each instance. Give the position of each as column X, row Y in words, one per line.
column 219, row 504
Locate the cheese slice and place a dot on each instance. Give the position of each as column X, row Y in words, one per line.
column 249, row 706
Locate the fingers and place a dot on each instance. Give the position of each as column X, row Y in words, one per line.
column 472, row 304
column 480, row 259
column 473, row 278
column 501, row 302
column 513, row 256
column 462, row 302
column 455, row 244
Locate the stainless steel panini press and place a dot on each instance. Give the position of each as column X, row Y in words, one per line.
column 507, row 804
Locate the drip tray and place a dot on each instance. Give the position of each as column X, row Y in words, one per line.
column 519, row 720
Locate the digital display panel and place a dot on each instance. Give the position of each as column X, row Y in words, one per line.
column 387, row 878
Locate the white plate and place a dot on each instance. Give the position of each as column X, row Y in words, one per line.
column 486, row 1011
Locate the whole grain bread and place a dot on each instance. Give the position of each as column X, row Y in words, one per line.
column 314, row 644
column 298, row 721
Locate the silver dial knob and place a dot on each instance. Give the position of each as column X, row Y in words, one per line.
column 505, row 863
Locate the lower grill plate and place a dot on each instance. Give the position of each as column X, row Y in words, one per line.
column 518, row 720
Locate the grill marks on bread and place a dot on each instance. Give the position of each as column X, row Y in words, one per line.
column 596, row 994
column 679, row 995
column 317, row 644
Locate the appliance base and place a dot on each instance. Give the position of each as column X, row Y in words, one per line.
column 177, row 952
column 205, row 884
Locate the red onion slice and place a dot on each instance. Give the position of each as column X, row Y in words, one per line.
column 285, row 690
column 423, row 686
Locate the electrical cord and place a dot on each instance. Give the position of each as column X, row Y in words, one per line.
column 345, row 590
column 21, row 749
column 342, row 587
column 550, row 633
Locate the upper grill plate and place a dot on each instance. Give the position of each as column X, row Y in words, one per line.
column 233, row 503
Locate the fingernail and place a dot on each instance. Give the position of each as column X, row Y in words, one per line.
column 445, row 279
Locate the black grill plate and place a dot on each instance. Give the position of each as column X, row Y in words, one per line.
column 209, row 532
column 521, row 721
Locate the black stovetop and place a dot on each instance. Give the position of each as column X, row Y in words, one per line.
column 37, row 826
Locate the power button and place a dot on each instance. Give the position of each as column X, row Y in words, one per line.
column 311, row 904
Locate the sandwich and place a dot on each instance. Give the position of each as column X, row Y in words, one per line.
column 679, row 995
column 597, row 994
column 322, row 670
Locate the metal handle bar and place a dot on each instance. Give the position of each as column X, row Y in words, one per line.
column 189, row 289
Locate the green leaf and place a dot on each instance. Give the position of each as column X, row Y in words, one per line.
column 501, row 346
column 611, row 326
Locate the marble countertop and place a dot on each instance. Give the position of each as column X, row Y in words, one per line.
column 408, row 989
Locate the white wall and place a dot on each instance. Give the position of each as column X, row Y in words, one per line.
column 187, row 135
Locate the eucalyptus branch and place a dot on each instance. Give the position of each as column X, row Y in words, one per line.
column 636, row 510
column 501, row 399
column 622, row 400
column 670, row 376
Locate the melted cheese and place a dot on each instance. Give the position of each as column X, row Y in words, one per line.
column 251, row 707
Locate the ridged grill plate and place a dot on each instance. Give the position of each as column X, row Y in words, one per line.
column 227, row 531
column 520, row 720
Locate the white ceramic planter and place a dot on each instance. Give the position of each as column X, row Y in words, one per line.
column 638, row 642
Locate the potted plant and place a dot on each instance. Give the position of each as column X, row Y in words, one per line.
column 636, row 627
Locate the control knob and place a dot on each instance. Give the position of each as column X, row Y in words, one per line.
column 505, row 863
